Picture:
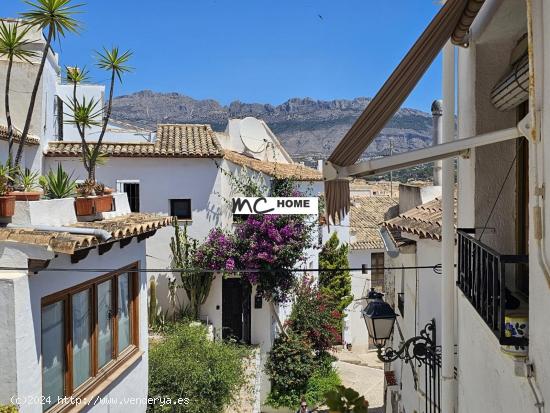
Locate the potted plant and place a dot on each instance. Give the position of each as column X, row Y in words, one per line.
column 104, row 200
column 7, row 201
column 92, row 199
column 58, row 184
column 26, row 184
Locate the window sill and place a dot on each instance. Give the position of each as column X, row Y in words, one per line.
column 90, row 394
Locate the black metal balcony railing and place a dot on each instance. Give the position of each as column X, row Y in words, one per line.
column 482, row 278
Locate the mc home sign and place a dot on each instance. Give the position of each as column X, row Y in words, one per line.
column 276, row 205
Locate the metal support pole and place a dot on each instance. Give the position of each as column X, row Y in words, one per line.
column 437, row 137
column 447, row 236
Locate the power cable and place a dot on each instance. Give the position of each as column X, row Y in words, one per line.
column 435, row 268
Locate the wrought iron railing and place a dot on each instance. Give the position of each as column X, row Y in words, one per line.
column 482, row 279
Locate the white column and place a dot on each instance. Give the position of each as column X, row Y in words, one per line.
column 437, row 111
column 448, row 236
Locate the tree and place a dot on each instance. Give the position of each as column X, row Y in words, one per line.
column 13, row 46
column 56, row 18
column 86, row 114
column 336, row 283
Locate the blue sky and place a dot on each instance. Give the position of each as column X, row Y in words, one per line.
column 255, row 50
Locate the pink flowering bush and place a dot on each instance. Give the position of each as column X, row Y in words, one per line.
column 265, row 247
column 218, row 252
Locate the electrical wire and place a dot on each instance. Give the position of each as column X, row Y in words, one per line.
column 435, row 268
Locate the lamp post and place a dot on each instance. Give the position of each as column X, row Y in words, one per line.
column 380, row 319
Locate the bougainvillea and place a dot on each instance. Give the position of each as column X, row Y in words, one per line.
column 313, row 316
column 218, row 252
column 265, row 247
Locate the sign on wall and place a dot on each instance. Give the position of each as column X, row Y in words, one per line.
column 276, row 205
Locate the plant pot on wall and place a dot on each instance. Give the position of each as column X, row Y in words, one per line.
column 93, row 205
column 7, row 206
column 26, row 196
column 104, row 203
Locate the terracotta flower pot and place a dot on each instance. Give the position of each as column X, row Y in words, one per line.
column 26, row 196
column 7, row 206
column 84, row 206
column 93, row 205
column 104, row 203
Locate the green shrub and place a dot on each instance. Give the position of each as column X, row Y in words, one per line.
column 10, row 408
column 320, row 383
column 290, row 365
column 186, row 365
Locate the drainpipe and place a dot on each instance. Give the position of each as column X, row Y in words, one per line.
column 437, row 138
column 98, row 233
column 448, row 236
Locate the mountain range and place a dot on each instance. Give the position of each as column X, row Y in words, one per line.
column 309, row 129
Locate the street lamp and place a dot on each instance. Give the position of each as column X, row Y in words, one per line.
column 380, row 319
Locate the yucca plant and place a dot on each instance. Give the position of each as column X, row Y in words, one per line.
column 27, row 180
column 115, row 62
column 58, row 184
column 56, row 19
column 13, row 46
column 6, row 178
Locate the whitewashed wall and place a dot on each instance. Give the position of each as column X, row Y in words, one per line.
column 487, row 379
column 20, row 374
column 355, row 330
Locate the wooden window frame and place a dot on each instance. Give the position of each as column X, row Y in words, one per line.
column 98, row 375
column 172, row 201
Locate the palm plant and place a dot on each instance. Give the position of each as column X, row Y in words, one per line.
column 83, row 114
column 58, row 184
column 13, row 46
column 115, row 62
column 56, row 18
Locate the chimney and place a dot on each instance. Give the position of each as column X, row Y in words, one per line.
column 437, row 137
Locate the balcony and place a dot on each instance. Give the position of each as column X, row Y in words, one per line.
column 482, row 276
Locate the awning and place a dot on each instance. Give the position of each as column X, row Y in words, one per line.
column 453, row 20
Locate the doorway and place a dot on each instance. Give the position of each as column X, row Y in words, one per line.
column 236, row 310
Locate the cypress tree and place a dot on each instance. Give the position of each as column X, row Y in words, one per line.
column 336, row 284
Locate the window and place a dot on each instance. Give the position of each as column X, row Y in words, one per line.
column 88, row 331
column 377, row 272
column 131, row 188
column 180, row 208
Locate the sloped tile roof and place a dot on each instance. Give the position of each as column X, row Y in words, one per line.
column 31, row 140
column 367, row 213
column 173, row 141
column 66, row 243
column 423, row 221
column 295, row 171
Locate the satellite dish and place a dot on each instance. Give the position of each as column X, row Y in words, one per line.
column 254, row 135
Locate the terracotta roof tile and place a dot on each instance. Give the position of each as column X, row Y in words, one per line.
column 279, row 170
column 173, row 141
column 66, row 243
column 423, row 221
column 31, row 140
column 367, row 214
